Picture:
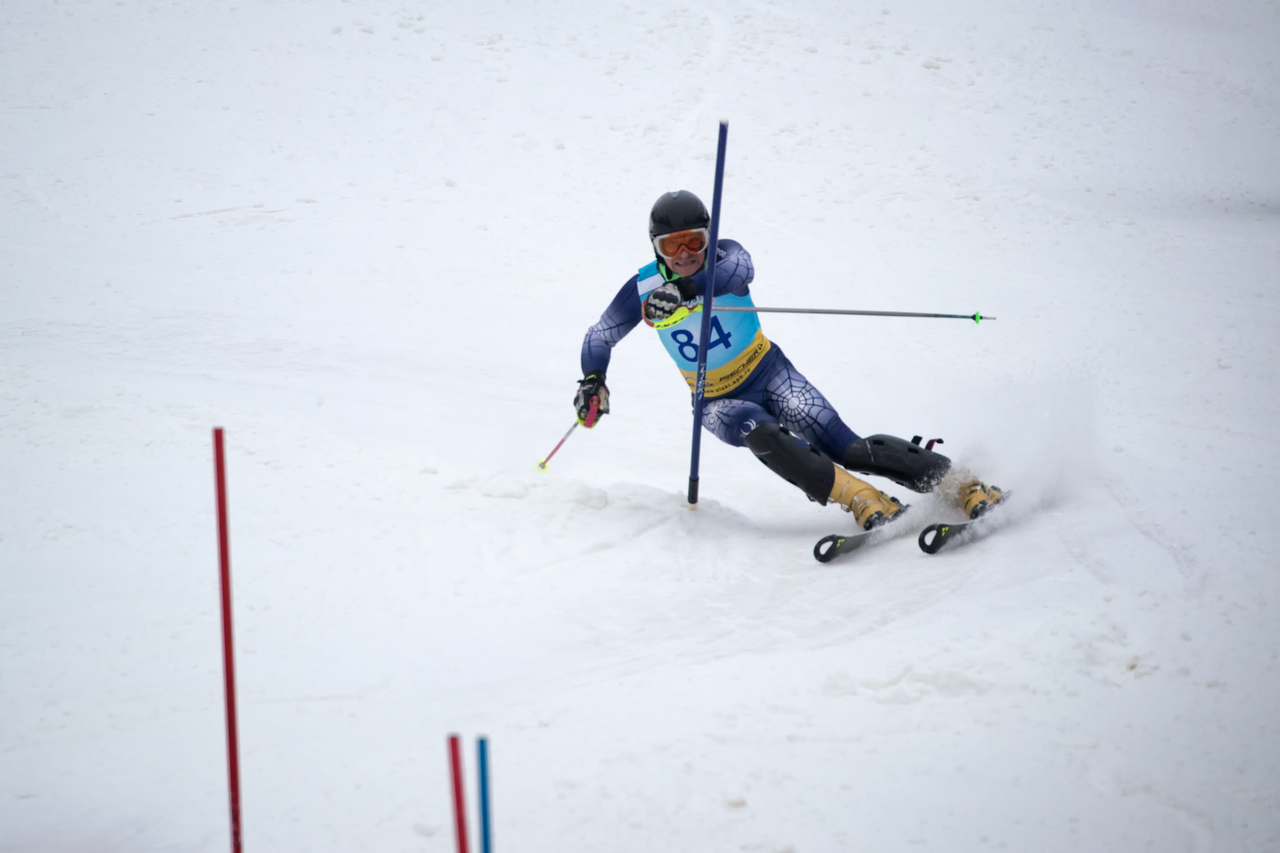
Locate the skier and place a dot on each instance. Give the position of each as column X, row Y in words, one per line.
column 754, row 396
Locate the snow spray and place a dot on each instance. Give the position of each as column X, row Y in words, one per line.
column 228, row 649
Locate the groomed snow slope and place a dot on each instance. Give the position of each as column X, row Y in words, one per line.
column 366, row 239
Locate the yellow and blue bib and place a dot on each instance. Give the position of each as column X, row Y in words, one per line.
column 736, row 345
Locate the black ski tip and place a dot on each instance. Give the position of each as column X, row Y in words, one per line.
column 933, row 537
column 828, row 547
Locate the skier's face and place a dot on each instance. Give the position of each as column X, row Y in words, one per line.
column 687, row 263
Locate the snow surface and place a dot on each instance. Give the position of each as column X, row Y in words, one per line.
column 366, row 238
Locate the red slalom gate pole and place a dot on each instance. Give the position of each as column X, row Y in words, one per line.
column 459, row 803
column 228, row 647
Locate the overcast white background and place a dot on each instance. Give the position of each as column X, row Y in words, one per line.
column 366, row 238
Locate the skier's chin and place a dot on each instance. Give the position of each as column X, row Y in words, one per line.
column 686, row 268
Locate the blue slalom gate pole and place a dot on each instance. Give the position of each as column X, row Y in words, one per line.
column 707, row 298
column 482, row 752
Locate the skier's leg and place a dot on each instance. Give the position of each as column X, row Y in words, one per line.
column 731, row 419
column 802, row 408
column 744, row 422
column 805, row 466
column 751, row 417
column 793, row 459
column 907, row 464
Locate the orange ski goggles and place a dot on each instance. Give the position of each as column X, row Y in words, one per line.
column 669, row 245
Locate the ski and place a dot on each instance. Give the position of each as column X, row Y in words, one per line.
column 931, row 540
column 941, row 535
column 937, row 536
column 830, row 547
column 837, row 544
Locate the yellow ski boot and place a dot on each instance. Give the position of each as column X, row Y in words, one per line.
column 870, row 506
column 977, row 497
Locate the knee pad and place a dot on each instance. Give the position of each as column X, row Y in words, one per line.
column 799, row 463
column 907, row 464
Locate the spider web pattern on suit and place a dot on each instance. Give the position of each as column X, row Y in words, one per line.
column 787, row 398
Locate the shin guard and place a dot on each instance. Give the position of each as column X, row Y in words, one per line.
column 909, row 465
column 799, row 463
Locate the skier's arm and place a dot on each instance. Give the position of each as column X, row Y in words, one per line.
column 734, row 270
column 622, row 315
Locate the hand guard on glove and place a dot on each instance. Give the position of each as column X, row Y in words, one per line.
column 591, row 387
column 664, row 301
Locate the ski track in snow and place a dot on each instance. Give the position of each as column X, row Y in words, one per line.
column 338, row 230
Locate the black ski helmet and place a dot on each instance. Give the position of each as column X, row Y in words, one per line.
column 677, row 211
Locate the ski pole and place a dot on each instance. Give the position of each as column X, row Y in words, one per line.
column 588, row 423
column 976, row 316
column 707, row 307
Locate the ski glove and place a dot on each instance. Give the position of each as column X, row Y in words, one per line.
column 667, row 299
column 591, row 387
